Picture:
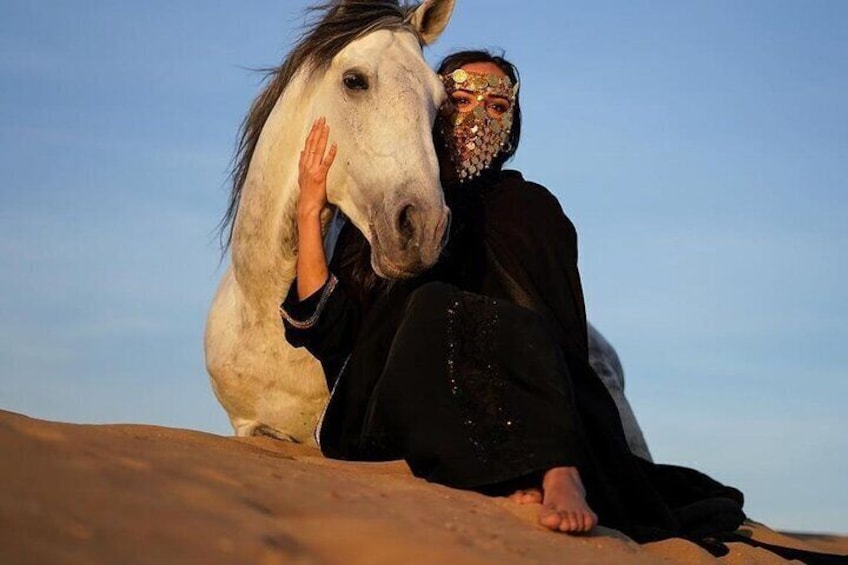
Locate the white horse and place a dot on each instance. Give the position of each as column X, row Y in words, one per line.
column 361, row 66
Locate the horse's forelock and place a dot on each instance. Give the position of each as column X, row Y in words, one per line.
column 334, row 26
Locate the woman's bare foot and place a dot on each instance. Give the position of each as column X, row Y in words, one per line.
column 564, row 506
column 527, row 496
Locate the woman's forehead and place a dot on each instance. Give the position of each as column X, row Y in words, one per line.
column 484, row 67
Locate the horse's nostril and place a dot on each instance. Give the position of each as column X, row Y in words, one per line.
column 405, row 225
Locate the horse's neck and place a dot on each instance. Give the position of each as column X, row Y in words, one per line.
column 265, row 236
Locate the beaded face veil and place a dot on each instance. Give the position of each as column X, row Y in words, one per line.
column 474, row 138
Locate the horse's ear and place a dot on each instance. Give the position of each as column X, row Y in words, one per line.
column 431, row 18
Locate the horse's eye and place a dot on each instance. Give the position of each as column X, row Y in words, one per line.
column 355, row 81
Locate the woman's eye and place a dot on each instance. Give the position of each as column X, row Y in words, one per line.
column 355, row 81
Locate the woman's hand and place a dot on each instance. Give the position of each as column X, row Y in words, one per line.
column 312, row 170
column 312, row 269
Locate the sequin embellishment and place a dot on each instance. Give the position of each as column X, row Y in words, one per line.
column 476, row 378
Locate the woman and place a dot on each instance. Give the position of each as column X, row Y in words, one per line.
column 477, row 373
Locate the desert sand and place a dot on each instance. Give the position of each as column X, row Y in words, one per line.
column 146, row 494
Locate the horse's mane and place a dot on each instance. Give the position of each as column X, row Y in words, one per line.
column 335, row 25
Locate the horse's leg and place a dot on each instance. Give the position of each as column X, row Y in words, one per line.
column 266, row 387
column 251, row 428
column 267, row 431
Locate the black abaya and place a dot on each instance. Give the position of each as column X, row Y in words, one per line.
column 477, row 373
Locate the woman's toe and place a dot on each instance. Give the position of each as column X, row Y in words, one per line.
column 569, row 522
column 550, row 518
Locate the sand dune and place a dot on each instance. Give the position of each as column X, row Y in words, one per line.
column 146, row 494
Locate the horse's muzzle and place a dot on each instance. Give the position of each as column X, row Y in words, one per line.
column 410, row 242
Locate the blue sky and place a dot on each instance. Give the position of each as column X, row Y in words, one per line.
column 701, row 148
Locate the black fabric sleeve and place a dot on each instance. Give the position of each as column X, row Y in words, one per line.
column 538, row 244
column 325, row 323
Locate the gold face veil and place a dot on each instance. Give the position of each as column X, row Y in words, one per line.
column 474, row 138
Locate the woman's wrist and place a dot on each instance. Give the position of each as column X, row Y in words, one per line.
column 306, row 212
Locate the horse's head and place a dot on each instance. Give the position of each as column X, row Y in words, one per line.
column 380, row 99
column 360, row 65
